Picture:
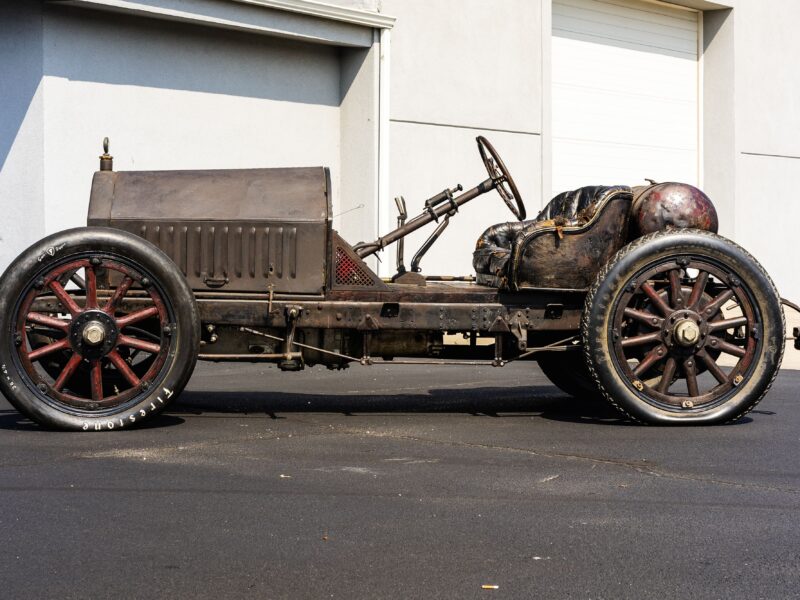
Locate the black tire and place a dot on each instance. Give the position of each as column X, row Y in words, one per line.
column 638, row 388
column 568, row 372
column 167, row 309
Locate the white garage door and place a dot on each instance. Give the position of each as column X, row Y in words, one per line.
column 625, row 93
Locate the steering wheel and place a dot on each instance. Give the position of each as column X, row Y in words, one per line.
column 501, row 178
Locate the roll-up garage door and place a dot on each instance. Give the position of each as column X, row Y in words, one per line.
column 625, row 93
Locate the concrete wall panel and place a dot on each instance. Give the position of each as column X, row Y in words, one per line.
column 437, row 157
column 768, row 217
column 767, row 76
column 467, row 62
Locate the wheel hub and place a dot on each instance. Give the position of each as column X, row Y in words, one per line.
column 686, row 332
column 93, row 334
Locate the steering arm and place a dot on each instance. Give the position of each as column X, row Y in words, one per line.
column 446, row 202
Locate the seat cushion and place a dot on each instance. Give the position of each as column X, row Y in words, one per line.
column 568, row 209
column 494, row 247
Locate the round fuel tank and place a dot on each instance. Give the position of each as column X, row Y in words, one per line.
column 679, row 205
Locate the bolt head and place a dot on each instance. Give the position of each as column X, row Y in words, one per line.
column 686, row 332
column 42, row 386
column 94, row 261
column 94, row 333
column 145, row 282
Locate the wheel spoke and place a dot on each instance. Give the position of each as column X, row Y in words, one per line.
column 651, row 358
column 666, row 378
column 675, row 290
column 65, row 298
column 67, row 372
column 727, row 324
column 690, row 370
column 123, row 367
column 713, row 367
column 119, row 294
column 656, row 299
column 137, row 316
column 726, row 347
column 713, row 307
column 698, row 289
column 132, row 342
column 97, row 380
column 91, row 288
column 48, row 349
column 47, row 320
column 643, row 317
column 639, row 340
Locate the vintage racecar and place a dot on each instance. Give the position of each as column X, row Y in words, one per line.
column 617, row 292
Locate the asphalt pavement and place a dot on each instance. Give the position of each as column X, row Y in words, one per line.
column 401, row 482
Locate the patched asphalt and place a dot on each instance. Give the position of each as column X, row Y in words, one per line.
column 401, row 482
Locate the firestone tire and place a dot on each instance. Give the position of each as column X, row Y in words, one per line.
column 643, row 390
column 568, row 372
column 40, row 274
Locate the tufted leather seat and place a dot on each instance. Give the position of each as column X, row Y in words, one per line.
column 568, row 209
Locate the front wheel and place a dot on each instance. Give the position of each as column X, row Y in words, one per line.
column 683, row 327
column 98, row 330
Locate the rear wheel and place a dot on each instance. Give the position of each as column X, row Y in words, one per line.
column 683, row 327
column 99, row 330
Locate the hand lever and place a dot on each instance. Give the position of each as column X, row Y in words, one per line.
column 443, row 196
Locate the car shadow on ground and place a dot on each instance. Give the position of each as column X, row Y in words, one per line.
column 497, row 402
column 544, row 402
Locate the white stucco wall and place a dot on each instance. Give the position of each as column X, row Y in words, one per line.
column 767, row 71
column 462, row 68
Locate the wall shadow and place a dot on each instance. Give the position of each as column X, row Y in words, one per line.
column 93, row 46
column 21, row 68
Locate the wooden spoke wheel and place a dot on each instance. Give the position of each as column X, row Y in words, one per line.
column 683, row 326
column 102, row 330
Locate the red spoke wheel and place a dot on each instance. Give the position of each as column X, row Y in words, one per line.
column 683, row 327
column 101, row 330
